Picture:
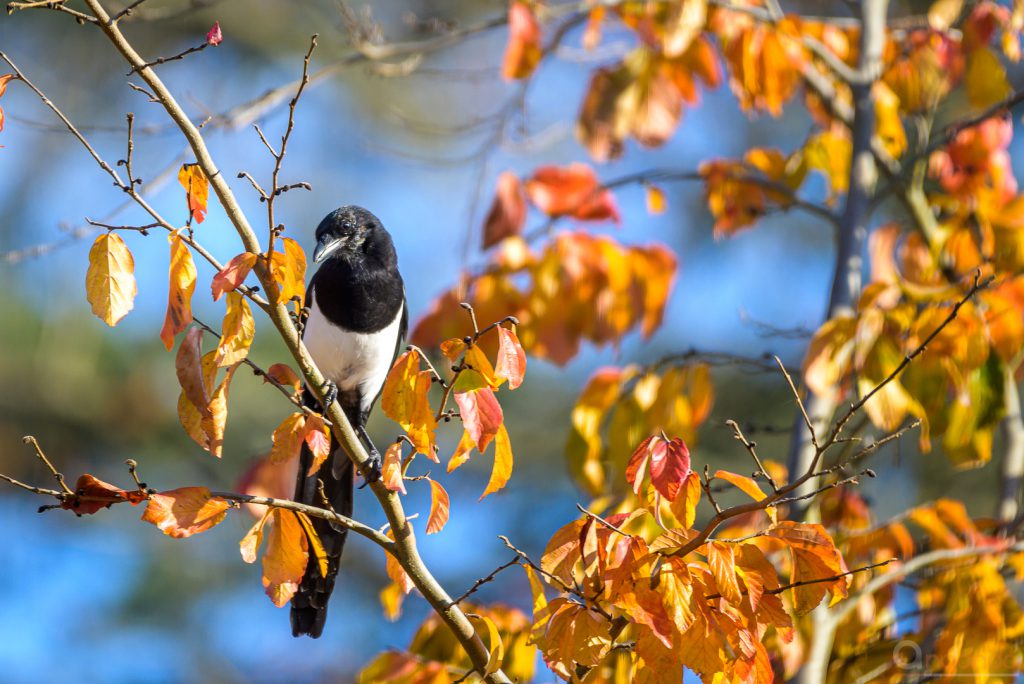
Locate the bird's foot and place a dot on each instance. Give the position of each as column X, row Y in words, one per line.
column 373, row 469
column 330, row 391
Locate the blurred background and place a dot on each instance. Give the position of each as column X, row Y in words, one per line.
column 106, row 599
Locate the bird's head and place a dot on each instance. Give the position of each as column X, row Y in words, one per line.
column 349, row 230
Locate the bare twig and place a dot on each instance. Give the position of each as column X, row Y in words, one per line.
column 484, row 580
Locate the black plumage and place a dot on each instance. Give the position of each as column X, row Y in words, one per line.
column 357, row 322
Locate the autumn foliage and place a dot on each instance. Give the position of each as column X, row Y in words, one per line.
column 673, row 565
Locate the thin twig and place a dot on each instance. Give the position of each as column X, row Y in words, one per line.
column 484, row 580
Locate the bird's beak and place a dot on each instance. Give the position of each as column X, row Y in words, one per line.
column 324, row 247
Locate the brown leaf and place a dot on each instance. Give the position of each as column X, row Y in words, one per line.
column 89, row 487
column 189, row 368
column 180, row 513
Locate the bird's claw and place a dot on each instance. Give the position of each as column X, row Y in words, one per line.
column 373, row 469
column 330, row 391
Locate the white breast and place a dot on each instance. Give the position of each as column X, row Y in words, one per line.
column 352, row 360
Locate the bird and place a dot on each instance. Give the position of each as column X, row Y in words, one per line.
column 354, row 329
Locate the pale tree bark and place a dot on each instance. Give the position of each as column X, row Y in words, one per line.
column 1012, row 468
column 846, row 281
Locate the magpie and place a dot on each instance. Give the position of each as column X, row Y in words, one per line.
column 356, row 324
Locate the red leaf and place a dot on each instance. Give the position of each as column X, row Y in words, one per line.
column 481, row 414
column 668, row 462
column 233, row 274
column 284, row 375
column 571, row 191
column 214, row 35
column 511, row 358
column 508, row 213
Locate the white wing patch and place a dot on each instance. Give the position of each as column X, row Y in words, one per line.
column 352, row 360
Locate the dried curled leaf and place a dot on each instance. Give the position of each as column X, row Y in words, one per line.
column 182, row 276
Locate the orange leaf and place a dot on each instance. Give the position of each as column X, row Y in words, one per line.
column 475, row 359
column 395, row 570
column 723, row 566
column 481, row 413
column 250, row 543
column 440, row 508
column 182, row 275
column 288, row 268
column 4, row 80
column 288, row 438
column 511, row 358
column 216, row 423
column 284, row 375
column 453, row 348
column 461, row 454
column 233, row 274
column 748, row 486
column 502, row 470
column 237, row 331
column 189, row 368
column 523, row 51
column 571, row 190
column 318, row 439
column 815, row 557
column 186, row 511
column 685, row 505
column 285, row 558
column 197, row 190
column 508, row 212
column 110, row 280
column 391, row 468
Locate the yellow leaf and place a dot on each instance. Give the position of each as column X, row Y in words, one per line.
column 748, row 486
column 237, row 331
column 815, row 557
column 944, row 13
column 683, row 26
column 110, row 280
column 985, row 78
column 285, row 558
column 391, row 599
column 502, row 470
column 888, row 125
column 478, row 361
column 182, row 275
column 180, row 513
column 495, row 647
column 288, row 268
column 440, row 508
column 655, row 200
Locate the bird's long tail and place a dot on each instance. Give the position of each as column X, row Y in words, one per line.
column 309, row 605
